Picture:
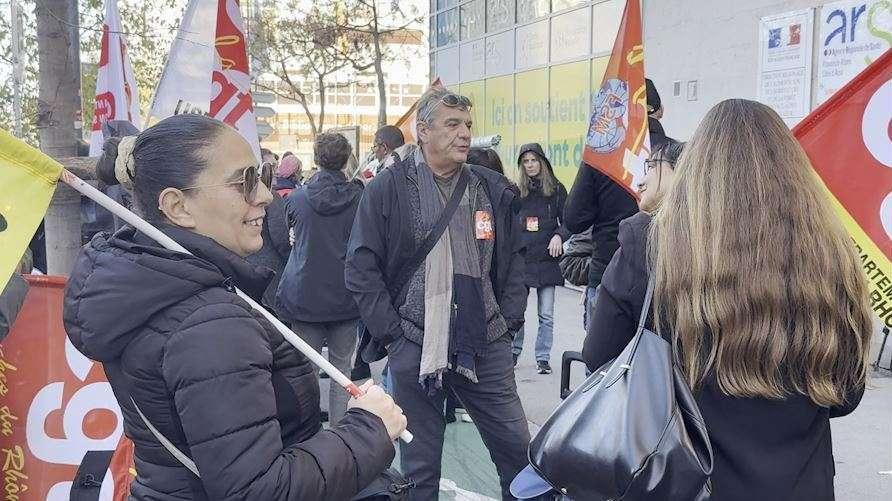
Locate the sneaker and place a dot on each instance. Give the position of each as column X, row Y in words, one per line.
column 516, row 356
column 543, row 367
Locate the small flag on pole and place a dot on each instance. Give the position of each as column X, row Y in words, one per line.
column 117, row 97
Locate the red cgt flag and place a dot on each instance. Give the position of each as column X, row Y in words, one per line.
column 849, row 142
column 616, row 142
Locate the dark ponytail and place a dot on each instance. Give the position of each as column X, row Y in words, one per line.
column 170, row 154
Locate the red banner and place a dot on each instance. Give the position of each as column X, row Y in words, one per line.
column 55, row 405
column 849, row 142
column 616, row 142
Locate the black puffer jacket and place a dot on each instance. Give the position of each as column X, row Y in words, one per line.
column 541, row 218
column 212, row 376
column 276, row 247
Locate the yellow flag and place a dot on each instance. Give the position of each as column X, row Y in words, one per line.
column 27, row 181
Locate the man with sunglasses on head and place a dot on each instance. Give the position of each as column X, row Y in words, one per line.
column 435, row 265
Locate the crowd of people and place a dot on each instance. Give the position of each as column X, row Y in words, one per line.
column 428, row 260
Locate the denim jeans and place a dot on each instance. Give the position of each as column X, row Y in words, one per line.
column 545, row 309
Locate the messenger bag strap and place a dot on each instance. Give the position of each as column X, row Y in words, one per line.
column 399, row 285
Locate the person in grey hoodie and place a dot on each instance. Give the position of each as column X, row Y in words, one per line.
column 312, row 295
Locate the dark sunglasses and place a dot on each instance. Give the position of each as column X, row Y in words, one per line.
column 251, row 178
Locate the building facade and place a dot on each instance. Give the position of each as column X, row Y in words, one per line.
column 352, row 98
column 531, row 66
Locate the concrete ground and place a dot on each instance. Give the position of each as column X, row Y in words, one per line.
column 862, row 441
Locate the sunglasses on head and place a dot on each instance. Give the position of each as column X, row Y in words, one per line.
column 450, row 101
column 252, row 176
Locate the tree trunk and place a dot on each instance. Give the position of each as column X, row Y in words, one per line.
column 382, row 89
column 59, row 106
column 379, row 70
column 321, row 103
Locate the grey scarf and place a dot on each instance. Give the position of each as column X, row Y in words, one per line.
column 455, row 252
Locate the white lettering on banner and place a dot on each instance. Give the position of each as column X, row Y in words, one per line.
column 225, row 92
column 876, row 129
column 70, row 450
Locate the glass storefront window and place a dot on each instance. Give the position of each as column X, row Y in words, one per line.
column 527, row 10
column 472, row 19
column 447, row 27
column 499, row 14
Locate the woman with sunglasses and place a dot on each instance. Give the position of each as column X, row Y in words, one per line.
column 191, row 362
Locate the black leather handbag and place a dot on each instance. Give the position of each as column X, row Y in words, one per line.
column 632, row 431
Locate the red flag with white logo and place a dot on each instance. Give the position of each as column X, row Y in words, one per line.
column 617, row 142
column 207, row 70
column 117, row 98
column 849, row 142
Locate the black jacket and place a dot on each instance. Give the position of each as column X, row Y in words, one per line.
column 211, row 375
column 382, row 241
column 312, row 286
column 12, row 298
column 597, row 201
column 541, row 218
column 770, row 450
column 276, row 247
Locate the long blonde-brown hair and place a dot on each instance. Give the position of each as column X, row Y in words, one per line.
column 754, row 272
column 546, row 176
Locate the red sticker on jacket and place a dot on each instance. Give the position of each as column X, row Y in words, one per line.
column 483, row 229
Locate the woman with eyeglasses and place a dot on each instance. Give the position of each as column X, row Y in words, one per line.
column 187, row 357
column 659, row 171
column 757, row 284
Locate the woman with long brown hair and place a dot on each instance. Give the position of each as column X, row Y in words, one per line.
column 541, row 212
column 759, row 287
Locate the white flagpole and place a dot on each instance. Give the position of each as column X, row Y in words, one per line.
column 144, row 227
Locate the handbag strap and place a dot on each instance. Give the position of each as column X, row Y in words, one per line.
column 432, row 237
column 645, row 310
column 88, row 480
column 178, row 454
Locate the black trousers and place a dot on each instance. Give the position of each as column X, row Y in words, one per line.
column 493, row 404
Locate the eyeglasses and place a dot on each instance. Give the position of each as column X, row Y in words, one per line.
column 451, row 101
column 251, row 178
column 650, row 165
